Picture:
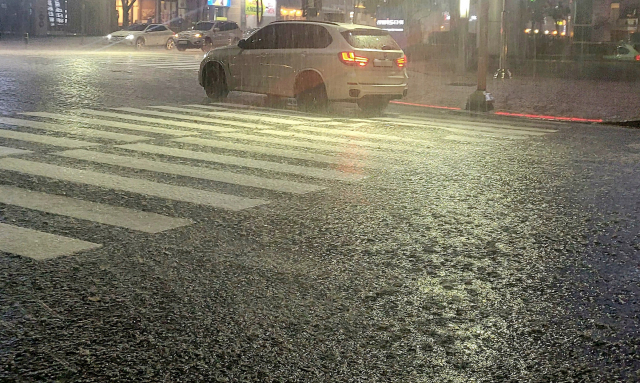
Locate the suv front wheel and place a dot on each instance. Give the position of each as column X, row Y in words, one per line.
column 215, row 83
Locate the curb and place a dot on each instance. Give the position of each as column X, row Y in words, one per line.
column 527, row 116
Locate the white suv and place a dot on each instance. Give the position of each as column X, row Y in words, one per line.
column 313, row 61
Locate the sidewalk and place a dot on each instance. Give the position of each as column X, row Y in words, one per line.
column 51, row 42
column 549, row 97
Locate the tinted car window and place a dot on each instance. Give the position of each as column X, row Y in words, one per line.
column 623, row 51
column 158, row 28
column 203, row 26
column 300, row 36
column 370, row 39
column 265, row 38
column 136, row 27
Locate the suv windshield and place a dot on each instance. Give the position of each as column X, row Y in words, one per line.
column 370, row 39
column 203, row 26
column 136, row 27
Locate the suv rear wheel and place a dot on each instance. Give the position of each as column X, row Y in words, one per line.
column 311, row 94
column 215, row 83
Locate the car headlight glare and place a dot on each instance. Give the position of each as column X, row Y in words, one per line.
column 109, row 37
column 197, row 35
column 130, row 37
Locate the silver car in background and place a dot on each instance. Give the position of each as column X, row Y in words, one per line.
column 206, row 35
column 143, row 35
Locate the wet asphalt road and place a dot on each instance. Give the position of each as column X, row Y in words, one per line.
column 463, row 249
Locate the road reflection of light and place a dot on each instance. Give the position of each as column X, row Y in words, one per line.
column 352, row 157
column 75, row 86
column 8, row 90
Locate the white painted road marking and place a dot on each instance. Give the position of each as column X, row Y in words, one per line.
column 260, row 149
column 5, row 151
column 72, row 130
column 471, row 126
column 39, row 245
column 47, row 140
column 355, row 133
column 283, row 141
column 90, row 211
column 134, row 185
column 112, row 124
column 260, row 118
column 191, row 171
column 259, row 111
column 161, row 121
column 347, row 141
column 246, row 162
column 183, row 117
column 249, row 125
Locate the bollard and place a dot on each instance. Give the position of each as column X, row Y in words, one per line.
column 26, row 39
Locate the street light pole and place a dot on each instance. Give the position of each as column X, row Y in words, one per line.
column 480, row 100
column 503, row 72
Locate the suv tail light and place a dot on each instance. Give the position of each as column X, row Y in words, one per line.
column 638, row 58
column 401, row 62
column 350, row 58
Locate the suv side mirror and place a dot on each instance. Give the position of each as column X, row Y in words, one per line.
column 242, row 44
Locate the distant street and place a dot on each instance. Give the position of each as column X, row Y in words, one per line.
column 149, row 235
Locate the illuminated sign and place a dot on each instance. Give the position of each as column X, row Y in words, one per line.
column 390, row 22
column 391, row 25
column 218, row 3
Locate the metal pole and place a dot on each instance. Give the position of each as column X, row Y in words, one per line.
column 503, row 72
column 480, row 100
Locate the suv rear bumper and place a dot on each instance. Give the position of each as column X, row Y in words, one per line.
column 354, row 92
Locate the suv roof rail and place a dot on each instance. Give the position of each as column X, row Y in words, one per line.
column 304, row 21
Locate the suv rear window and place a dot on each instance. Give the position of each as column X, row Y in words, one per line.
column 370, row 39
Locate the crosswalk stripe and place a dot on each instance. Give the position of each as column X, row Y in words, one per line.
column 259, row 111
column 71, row 130
column 260, row 149
column 134, row 185
column 454, row 137
column 192, row 67
column 190, row 171
column 6, row 151
column 246, row 162
column 112, row 124
column 171, row 64
column 519, row 129
column 42, row 139
column 249, row 125
column 474, row 127
column 261, row 118
column 90, row 211
column 285, row 142
column 355, row 133
column 530, row 125
column 487, row 133
column 187, row 117
column 39, row 245
column 157, row 121
column 347, row 141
